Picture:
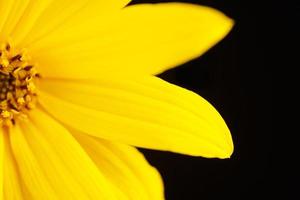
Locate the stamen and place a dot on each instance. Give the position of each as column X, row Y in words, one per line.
column 17, row 85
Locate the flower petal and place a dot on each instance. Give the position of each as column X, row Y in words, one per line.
column 12, row 188
column 11, row 11
column 70, row 13
column 141, row 38
column 29, row 20
column 53, row 163
column 1, row 163
column 144, row 112
column 30, row 13
column 33, row 177
column 125, row 166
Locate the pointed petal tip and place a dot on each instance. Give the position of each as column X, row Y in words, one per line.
column 226, row 143
column 222, row 24
column 219, row 22
column 228, row 151
column 228, row 146
column 221, row 148
column 228, row 24
column 217, row 153
column 226, row 154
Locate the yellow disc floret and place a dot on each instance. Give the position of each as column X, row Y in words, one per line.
column 17, row 85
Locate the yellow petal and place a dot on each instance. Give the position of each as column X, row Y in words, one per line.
column 125, row 166
column 33, row 177
column 70, row 13
column 145, row 112
column 12, row 186
column 5, row 7
column 29, row 20
column 141, row 38
column 1, row 163
column 48, row 155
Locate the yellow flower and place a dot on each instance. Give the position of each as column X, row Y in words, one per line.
column 78, row 91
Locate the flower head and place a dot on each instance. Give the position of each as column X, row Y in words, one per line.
column 78, row 92
column 17, row 81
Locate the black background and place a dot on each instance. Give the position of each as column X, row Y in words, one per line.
column 234, row 78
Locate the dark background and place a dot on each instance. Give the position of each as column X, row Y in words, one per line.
column 232, row 76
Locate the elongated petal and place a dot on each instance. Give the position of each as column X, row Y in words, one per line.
column 141, row 38
column 28, row 20
column 145, row 112
column 125, row 167
column 48, row 155
column 31, row 173
column 70, row 13
column 1, row 164
column 12, row 185
column 5, row 8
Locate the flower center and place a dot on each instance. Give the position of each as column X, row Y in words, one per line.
column 17, row 85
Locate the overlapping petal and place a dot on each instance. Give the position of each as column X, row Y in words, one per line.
column 52, row 163
column 30, row 171
column 12, row 185
column 145, row 112
column 1, row 162
column 26, row 21
column 137, row 39
column 125, row 167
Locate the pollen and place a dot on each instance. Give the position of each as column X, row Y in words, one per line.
column 17, row 85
